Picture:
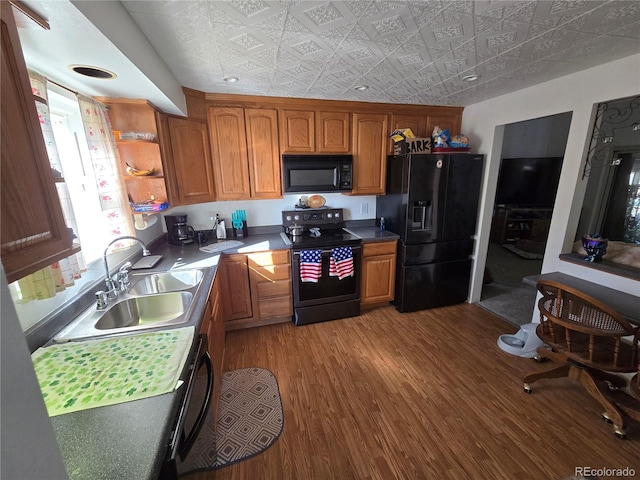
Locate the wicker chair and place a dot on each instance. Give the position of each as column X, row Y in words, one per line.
column 586, row 340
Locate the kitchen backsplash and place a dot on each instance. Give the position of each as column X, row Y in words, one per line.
column 268, row 212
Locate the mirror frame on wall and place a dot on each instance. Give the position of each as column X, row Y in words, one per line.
column 616, row 131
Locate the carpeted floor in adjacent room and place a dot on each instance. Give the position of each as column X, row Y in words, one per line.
column 507, row 295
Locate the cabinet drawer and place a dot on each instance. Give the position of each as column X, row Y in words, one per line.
column 272, row 257
column 273, row 289
column 270, row 273
column 378, row 248
column 275, row 307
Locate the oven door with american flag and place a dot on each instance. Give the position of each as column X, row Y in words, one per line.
column 326, row 275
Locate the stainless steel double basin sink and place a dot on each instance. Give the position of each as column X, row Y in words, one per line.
column 155, row 299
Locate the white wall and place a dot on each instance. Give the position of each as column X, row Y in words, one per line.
column 578, row 93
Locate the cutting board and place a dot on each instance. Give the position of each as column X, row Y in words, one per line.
column 77, row 376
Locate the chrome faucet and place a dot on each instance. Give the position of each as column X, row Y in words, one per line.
column 120, row 281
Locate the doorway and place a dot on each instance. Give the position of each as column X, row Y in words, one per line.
column 532, row 154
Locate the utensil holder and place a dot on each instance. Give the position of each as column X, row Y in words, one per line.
column 241, row 232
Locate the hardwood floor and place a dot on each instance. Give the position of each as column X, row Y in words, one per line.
column 426, row 395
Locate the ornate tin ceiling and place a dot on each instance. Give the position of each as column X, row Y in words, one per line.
column 404, row 51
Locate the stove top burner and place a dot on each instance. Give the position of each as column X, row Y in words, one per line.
column 327, row 238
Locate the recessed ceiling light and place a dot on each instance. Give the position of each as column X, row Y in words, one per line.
column 361, row 87
column 231, row 79
column 470, row 78
column 93, row 72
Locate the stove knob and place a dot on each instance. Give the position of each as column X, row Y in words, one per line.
column 288, row 218
column 337, row 214
column 296, row 217
column 329, row 215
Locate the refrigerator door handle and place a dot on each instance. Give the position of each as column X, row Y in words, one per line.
column 422, row 213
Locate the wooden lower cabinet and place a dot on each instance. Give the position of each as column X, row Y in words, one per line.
column 235, row 289
column 270, row 277
column 213, row 327
column 256, row 289
column 378, row 273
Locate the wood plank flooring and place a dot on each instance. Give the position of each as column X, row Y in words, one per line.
column 425, row 395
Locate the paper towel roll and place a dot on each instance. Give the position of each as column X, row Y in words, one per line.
column 141, row 223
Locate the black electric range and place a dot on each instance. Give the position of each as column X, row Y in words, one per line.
column 327, row 222
column 328, row 297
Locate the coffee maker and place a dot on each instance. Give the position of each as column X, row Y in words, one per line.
column 178, row 232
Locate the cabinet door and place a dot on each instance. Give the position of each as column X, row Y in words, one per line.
column 229, row 151
column 191, row 170
column 235, row 291
column 333, row 132
column 264, row 154
column 417, row 124
column 298, row 131
column 378, row 272
column 452, row 121
column 370, row 145
column 378, row 279
column 33, row 233
column 216, row 336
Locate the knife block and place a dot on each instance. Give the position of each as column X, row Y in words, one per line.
column 241, row 232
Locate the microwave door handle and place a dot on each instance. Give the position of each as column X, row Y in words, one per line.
column 195, row 430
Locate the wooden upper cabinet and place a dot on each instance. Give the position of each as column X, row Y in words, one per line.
column 417, row 124
column 33, row 233
column 444, row 120
column 370, row 143
column 227, row 134
column 333, row 132
column 297, row 131
column 190, row 171
column 263, row 153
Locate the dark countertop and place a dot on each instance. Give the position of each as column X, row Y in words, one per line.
column 129, row 440
column 372, row 234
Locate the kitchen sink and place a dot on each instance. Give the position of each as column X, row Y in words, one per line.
column 155, row 300
column 160, row 282
column 149, row 310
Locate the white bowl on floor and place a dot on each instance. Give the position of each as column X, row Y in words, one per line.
column 524, row 343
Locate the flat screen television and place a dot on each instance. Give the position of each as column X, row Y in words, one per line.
column 528, row 182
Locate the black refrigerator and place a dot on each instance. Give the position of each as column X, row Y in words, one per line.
column 432, row 201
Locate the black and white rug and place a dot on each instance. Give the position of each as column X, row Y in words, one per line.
column 251, row 419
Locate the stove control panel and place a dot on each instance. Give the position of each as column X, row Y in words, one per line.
column 312, row 217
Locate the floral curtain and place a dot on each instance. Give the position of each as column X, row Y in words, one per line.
column 105, row 160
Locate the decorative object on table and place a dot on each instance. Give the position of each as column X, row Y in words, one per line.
column 595, row 246
column 316, row 201
column 239, row 223
column 251, row 420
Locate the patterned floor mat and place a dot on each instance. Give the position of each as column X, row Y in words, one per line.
column 251, row 419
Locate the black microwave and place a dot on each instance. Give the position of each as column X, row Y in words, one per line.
column 317, row 173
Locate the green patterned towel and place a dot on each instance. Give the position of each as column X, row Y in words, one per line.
column 81, row 375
